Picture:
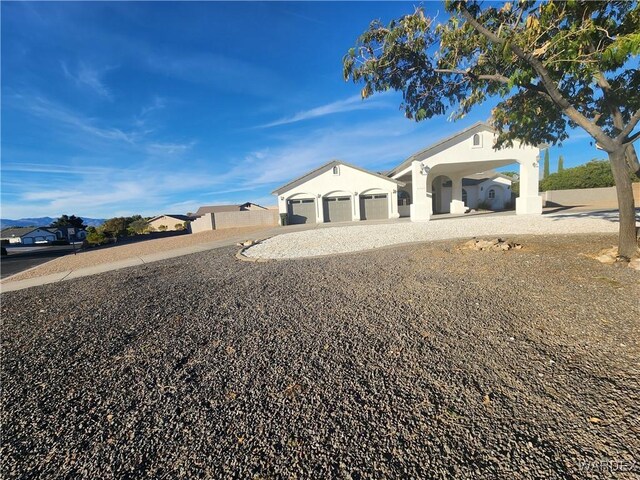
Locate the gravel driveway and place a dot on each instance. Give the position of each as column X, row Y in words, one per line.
column 421, row 361
column 354, row 238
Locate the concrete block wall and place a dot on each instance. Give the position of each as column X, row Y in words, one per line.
column 588, row 197
column 203, row 223
column 246, row 218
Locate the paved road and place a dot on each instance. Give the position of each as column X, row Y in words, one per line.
column 18, row 261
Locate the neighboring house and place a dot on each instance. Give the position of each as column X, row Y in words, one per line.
column 443, row 178
column 217, row 217
column 171, row 221
column 229, row 208
column 489, row 189
column 28, row 235
column 68, row 233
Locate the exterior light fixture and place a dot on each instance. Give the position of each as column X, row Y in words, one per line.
column 424, row 170
column 355, row 193
column 282, row 198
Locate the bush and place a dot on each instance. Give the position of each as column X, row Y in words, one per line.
column 283, row 219
column 96, row 238
column 162, row 228
column 179, row 226
column 484, row 205
column 594, row 174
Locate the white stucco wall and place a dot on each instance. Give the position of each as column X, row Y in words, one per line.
column 461, row 157
column 349, row 182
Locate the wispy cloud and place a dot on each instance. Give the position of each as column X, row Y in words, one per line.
column 88, row 77
column 348, row 105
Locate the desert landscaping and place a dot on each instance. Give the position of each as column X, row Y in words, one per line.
column 422, row 360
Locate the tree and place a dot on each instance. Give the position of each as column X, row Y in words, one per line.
column 545, row 172
column 69, row 221
column 560, row 164
column 569, row 64
column 138, row 226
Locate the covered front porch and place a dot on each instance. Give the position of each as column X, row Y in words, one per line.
column 440, row 179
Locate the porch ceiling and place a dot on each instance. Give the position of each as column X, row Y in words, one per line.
column 461, row 169
column 467, row 168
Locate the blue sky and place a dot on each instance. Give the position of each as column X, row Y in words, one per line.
column 121, row 108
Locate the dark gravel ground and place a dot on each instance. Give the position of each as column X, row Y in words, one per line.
column 419, row 362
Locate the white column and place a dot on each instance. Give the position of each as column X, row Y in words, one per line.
column 420, row 198
column 393, row 205
column 457, row 205
column 356, row 206
column 319, row 209
column 529, row 201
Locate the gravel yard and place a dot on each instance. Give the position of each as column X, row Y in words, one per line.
column 355, row 238
column 114, row 253
column 421, row 361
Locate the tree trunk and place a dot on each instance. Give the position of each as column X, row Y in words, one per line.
column 628, row 244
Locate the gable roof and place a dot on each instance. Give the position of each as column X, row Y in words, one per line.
column 225, row 208
column 217, row 209
column 184, row 218
column 442, row 145
column 322, row 168
column 20, row 231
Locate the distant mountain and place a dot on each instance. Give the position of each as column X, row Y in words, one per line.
column 44, row 222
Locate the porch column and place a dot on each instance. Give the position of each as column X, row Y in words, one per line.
column 457, row 205
column 420, row 209
column 529, row 201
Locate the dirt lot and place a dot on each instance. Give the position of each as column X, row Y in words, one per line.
column 420, row 361
column 114, row 253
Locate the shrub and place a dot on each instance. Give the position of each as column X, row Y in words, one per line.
column 179, row 226
column 484, row 205
column 162, row 228
column 593, row 174
column 96, row 238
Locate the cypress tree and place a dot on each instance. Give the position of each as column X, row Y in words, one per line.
column 546, row 164
column 560, row 164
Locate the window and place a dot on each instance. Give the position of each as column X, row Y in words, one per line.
column 464, row 196
column 492, row 194
column 336, row 170
column 403, row 198
column 477, row 141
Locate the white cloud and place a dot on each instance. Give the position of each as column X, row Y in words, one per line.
column 88, row 77
column 348, row 105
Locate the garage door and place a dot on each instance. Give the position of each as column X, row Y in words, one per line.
column 337, row 209
column 374, row 207
column 301, row 211
column 27, row 240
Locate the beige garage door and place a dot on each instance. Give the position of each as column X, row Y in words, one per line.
column 374, row 207
column 337, row 209
column 302, row 210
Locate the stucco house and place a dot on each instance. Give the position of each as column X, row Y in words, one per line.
column 450, row 176
column 28, row 235
column 170, row 221
column 218, row 217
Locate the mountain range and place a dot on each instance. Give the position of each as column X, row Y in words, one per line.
column 44, row 222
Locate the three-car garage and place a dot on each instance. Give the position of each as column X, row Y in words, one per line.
column 338, row 192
